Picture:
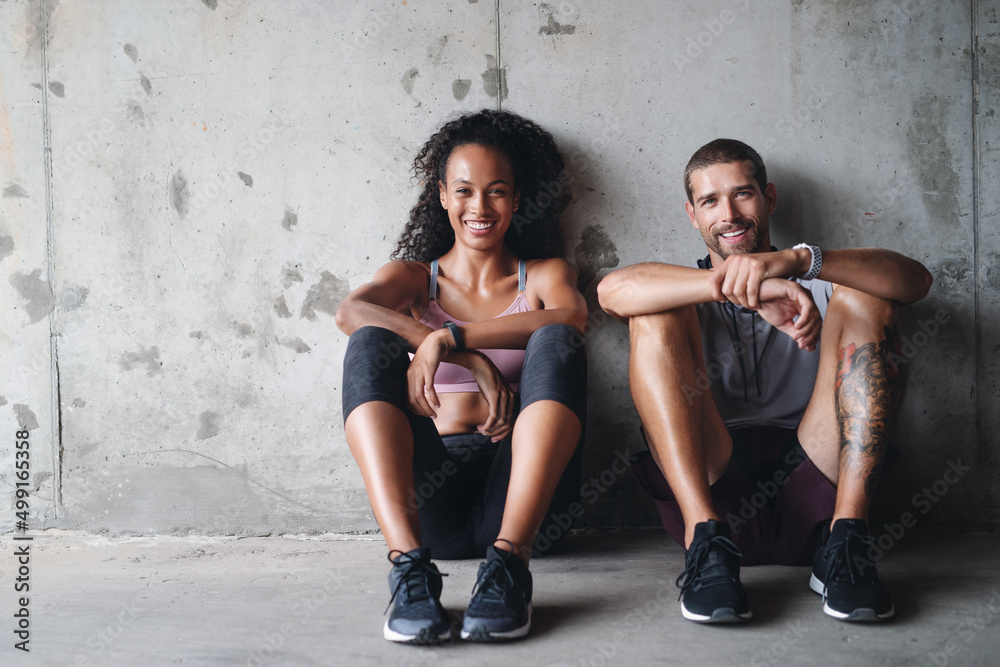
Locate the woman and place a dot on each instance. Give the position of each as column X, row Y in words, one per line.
column 465, row 443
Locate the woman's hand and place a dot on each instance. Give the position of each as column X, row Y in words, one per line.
column 423, row 400
column 498, row 394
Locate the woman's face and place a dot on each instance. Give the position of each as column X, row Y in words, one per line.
column 479, row 195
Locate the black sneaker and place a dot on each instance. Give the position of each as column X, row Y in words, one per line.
column 710, row 584
column 417, row 617
column 845, row 576
column 501, row 600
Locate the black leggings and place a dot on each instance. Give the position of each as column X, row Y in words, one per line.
column 460, row 481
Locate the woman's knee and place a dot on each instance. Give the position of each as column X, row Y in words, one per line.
column 374, row 368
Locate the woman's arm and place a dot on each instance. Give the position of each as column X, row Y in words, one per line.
column 552, row 283
column 387, row 301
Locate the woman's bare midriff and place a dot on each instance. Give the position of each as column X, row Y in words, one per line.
column 461, row 413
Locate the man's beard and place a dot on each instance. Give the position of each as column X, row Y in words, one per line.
column 751, row 244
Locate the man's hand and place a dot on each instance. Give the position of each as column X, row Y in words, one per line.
column 740, row 277
column 789, row 308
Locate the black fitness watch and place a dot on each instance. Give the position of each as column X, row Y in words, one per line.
column 456, row 333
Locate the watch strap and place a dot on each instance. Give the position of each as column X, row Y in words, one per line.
column 817, row 261
column 456, row 333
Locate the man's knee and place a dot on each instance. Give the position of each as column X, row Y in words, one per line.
column 675, row 323
column 852, row 306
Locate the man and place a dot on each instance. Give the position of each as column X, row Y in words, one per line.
column 765, row 437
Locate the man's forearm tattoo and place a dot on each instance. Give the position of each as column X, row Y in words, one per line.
column 867, row 394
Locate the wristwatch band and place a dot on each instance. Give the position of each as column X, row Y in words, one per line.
column 456, row 333
column 817, row 261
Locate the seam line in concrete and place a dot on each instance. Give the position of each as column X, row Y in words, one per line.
column 977, row 291
column 501, row 78
column 50, row 252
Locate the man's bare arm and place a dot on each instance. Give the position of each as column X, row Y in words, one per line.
column 882, row 273
column 651, row 287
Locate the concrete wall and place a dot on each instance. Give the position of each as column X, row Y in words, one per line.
column 190, row 188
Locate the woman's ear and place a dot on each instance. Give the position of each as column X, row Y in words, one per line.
column 443, row 193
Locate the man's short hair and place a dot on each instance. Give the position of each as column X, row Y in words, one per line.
column 723, row 151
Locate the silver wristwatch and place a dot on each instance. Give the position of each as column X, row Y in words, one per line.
column 817, row 261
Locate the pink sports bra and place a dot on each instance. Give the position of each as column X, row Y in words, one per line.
column 452, row 378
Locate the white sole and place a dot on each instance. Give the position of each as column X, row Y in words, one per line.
column 816, row 585
column 516, row 633
column 394, row 636
column 863, row 615
column 731, row 617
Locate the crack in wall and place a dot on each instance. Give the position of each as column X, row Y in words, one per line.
column 50, row 240
column 978, row 380
column 499, row 61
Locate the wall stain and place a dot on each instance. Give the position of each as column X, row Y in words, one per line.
column 3, row 401
column 281, row 307
column 460, row 88
column 6, row 246
column 436, row 49
column 25, row 417
column 596, row 251
column 242, row 329
column 291, row 274
column 146, row 84
column 495, row 78
column 953, row 273
column 296, row 344
column 131, row 52
column 79, row 403
column 57, row 89
column 35, row 293
column 197, row 334
column 72, row 298
column 211, row 4
column 209, row 425
column 552, row 27
column 150, row 357
column 180, row 196
column 407, row 80
column 135, row 110
column 290, row 220
column 15, row 190
column 324, row 296
column 246, row 178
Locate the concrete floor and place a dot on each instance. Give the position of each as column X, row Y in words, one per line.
column 604, row 600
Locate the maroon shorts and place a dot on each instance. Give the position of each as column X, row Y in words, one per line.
column 772, row 495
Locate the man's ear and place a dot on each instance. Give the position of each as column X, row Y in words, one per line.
column 443, row 194
column 689, row 207
column 771, row 195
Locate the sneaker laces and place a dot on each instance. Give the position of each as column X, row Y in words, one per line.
column 839, row 554
column 494, row 581
column 696, row 576
column 414, row 574
column 494, row 578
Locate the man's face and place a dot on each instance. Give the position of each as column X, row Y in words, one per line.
column 730, row 210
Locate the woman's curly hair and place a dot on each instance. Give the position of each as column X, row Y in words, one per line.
column 539, row 173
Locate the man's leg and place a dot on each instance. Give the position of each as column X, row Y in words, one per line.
column 684, row 430
column 846, row 431
column 690, row 444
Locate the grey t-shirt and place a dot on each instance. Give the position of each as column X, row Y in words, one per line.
column 757, row 374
